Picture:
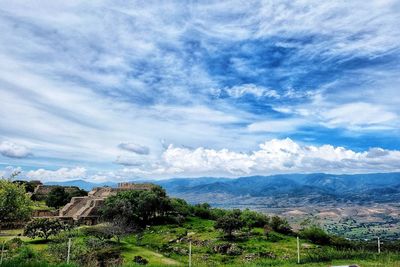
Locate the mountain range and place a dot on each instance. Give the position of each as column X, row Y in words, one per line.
column 278, row 190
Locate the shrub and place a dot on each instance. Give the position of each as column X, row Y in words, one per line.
column 280, row 225
column 101, row 232
column 202, row 210
column 140, row 260
column 14, row 243
column 15, row 204
column 316, row 235
column 253, row 219
column 43, row 228
column 229, row 222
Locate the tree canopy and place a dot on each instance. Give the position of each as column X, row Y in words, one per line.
column 15, row 204
column 137, row 207
column 230, row 222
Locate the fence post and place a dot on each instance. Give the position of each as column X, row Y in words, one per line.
column 2, row 253
column 69, row 250
column 298, row 250
column 190, row 253
column 379, row 245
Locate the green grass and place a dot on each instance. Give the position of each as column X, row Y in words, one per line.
column 167, row 245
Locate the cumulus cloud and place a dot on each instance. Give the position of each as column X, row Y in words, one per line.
column 135, row 148
column 12, row 150
column 274, row 156
column 62, row 174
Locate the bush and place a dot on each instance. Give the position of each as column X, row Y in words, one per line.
column 15, row 204
column 140, row 260
column 280, row 225
column 229, row 222
column 43, row 228
column 102, row 232
column 14, row 243
column 316, row 235
column 253, row 219
column 202, row 210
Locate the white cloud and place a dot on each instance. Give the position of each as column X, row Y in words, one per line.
column 135, row 148
column 238, row 91
column 276, row 126
column 274, row 156
column 62, row 174
column 359, row 114
column 12, row 150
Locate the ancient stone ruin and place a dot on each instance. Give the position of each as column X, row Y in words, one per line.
column 86, row 209
column 41, row 191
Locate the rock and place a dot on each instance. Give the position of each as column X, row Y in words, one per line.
column 267, row 254
column 227, row 249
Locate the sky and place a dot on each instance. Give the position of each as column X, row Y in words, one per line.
column 124, row 90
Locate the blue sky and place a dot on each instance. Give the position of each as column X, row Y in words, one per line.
column 106, row 90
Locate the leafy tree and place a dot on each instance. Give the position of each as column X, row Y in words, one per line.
column 280, row 225
column 229, row 222
column 57, row 197
column 253, row 219
column 202, row 210
column 15, row 204
column 316, row 235
column 137, row 207
column 77, row 193
column 43, row 228
column 29, row 185
column 180, row 207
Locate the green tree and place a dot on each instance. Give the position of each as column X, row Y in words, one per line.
column 229, row 222
column 280, row 225
column 180, row 207
column 137, row 207
column 253, row 219
column 43, row 228
column 57, row 197
column 316, row 235
column 15, row 204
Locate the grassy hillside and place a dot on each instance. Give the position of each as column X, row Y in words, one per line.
column 168, row 245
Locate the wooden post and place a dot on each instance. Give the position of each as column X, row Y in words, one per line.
column 69, row 250
column 379, row 245
column 190, row 253
column 298, row 250
column 2, row 253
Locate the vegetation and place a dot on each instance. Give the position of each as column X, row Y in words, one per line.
column 15, row 204
column 137, row 208
column 58, row 197
column 43, row 228
column 230, row 222
column 149, row 228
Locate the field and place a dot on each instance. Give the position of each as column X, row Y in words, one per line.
column 168, row 245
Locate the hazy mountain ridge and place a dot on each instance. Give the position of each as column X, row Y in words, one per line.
column 284, row 188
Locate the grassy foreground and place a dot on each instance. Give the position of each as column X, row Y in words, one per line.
column 168, row 245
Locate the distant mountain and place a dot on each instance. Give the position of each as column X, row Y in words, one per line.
column 289, row 189
column 277, row 190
